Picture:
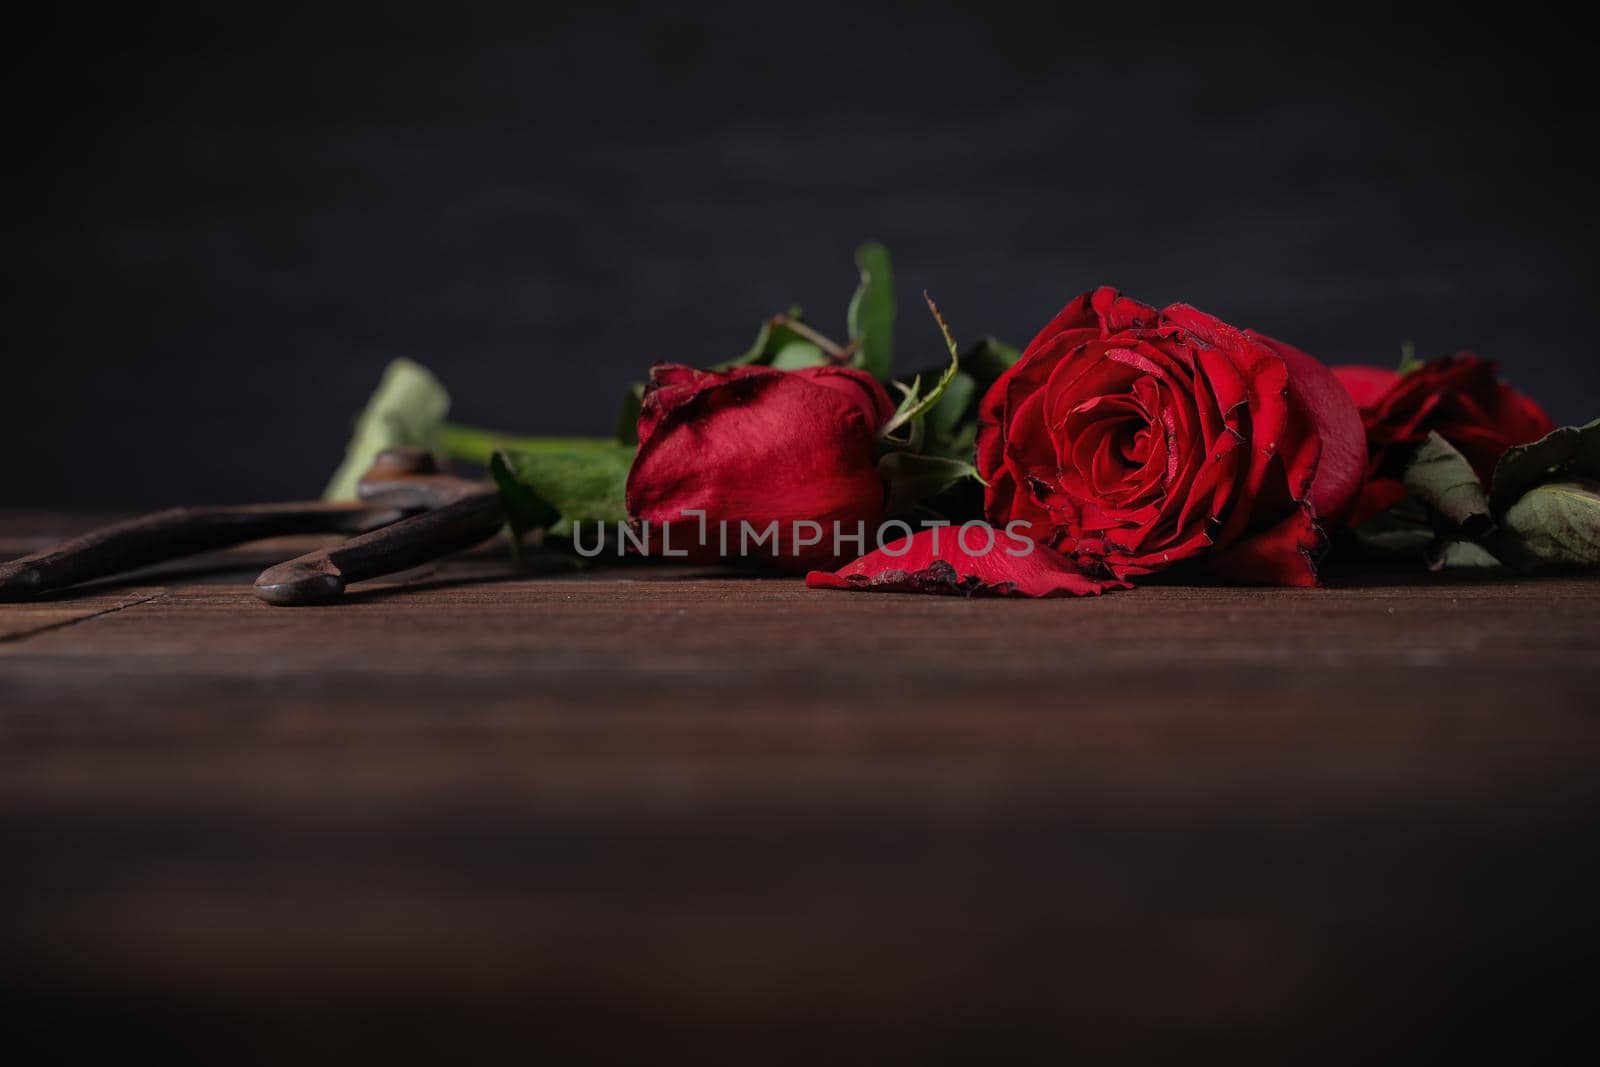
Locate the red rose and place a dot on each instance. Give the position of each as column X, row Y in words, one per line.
column 1459, row 396
column 752, row 447
column 1132, row 439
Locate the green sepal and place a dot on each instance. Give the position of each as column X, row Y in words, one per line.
column 915, row 405
column 774, row 335
column 1408, row 359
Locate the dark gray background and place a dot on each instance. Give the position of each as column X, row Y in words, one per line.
column 219, row 227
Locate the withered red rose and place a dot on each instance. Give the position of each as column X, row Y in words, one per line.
column 1132, row 439
column 1460, row 396
column 758, row 446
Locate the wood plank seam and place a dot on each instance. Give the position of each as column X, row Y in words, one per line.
column 19, row 636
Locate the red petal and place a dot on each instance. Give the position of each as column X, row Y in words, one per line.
column 936, row 561
column 1083, row 319
column 1365, row 384
column 1522, row 419
column 1284, row 554
column 857, row 386
column 1343, row 462
column 672, row 385
column 1377, row 496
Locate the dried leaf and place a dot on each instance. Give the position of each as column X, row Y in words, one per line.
column 1441, row 478
column 1570, row 450
column 1558, row 524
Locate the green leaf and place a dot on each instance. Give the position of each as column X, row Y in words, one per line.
column 525, row 509
column 870, row 320
column 914, row 407
column 913, row 479
column 988, row 359
column 946, row 414
column 1570, row 450
column 798, row 354
column 775, row 334
column 407, row 409
column 963, row 444
column 1442, row 479
column 1557, row 524
column 576, row 482
column 628, row 415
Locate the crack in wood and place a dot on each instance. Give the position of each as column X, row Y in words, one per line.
column 18, row 636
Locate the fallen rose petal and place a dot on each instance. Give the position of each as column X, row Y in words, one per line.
column 936, row 561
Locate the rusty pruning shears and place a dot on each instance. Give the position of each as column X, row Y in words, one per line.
column 409, row 513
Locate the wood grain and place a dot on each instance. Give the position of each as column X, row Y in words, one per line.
column 646, row 813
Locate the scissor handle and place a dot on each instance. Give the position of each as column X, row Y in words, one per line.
column 180, row 532
column 474, row 517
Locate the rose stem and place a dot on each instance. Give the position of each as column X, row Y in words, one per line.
column 477, row 446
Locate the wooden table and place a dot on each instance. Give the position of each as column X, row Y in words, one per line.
column 644, row 813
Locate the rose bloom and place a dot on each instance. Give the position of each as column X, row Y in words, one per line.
column 754, row 445
column 1132, row 440
column 1459, row 396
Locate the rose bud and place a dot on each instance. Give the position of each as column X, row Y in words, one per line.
column 756, row 448
column 1132, row 440
column 1458, row 396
